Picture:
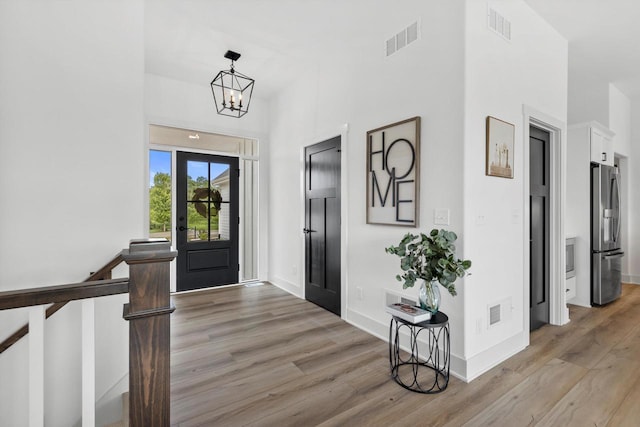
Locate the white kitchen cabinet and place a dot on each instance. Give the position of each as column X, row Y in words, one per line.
column 601, row 144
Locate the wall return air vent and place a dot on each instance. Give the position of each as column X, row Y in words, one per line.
column 499, row 312
column 498, row 24
column 402, row 39
column 494, row 315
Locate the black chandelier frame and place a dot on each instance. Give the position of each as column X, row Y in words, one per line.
column 232, row 90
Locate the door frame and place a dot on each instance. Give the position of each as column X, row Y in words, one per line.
column 261, row 215
column 558, row 311
column 342, row 132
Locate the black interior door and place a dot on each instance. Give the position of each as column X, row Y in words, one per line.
column 322, row 224
column 207, row 220
column 539, row 179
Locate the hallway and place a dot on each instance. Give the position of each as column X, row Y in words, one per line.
column 258, row 356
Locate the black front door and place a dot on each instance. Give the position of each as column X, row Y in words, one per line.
column 539, row 185
column 322, row 224
column 207, row 220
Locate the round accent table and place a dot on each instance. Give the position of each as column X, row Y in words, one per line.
column 426, row 369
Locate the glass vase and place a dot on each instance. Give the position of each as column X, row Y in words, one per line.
column 430, row 296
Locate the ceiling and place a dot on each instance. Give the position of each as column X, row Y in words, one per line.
column 603, row 38
column 186, row 40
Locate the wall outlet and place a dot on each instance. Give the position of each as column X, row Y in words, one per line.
column 294, row 270
column 360, row 293
column 479, row 325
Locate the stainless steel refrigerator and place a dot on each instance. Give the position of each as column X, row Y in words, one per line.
column 606, row 252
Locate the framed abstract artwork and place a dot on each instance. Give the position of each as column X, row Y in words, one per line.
column 500, row 142
column 393, row 166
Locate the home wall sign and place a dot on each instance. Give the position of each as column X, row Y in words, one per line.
column 393, row 165
column 500, row 136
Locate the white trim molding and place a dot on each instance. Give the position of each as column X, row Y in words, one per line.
column 558, row 313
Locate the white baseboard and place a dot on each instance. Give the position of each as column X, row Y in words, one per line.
column 633, row 279
column 491, row 357
column 577, row 301
column 463, row 369
column 285, row 285
column 381, row 330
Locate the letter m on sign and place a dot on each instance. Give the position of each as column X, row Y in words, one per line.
column 375, row 189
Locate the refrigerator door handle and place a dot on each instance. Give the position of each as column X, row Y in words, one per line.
column 612, row 256
column 616, row 185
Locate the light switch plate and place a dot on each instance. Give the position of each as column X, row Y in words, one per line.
column 441, row 217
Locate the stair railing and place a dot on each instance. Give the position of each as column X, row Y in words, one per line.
column 103, row 274
column 148, row 312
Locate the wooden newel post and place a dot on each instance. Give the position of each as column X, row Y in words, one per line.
column 149, row 331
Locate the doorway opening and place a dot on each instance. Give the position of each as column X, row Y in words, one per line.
column 556, row 295
column 205, row 216
column 539, row 221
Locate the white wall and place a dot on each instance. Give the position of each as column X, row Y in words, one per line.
column 620, row 121
column 588, row 96
column 71, row 174
column 628, row 220
column 176, row 103
column 633, row 254
column 501, row 77
column 367, row 91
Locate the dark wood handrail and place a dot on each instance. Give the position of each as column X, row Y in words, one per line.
column 62, row 293
column 147, row 312
column 103, row 274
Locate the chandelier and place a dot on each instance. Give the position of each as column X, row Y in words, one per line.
column 232, row 90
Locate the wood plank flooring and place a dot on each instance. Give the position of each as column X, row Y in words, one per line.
column 257, row 356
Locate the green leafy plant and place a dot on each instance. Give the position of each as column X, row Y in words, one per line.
column 429, row 257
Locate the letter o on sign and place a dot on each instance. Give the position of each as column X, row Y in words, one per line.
column 397, row 156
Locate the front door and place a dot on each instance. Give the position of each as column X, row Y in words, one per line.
column 322, row 224
column 539, row 186
column 207, row 220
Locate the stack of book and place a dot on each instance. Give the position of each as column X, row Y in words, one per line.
column 408, row 312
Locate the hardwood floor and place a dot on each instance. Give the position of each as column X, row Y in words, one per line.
column 257, row 356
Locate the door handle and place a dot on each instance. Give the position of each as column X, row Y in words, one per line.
column 616, row 255
column 307, row 231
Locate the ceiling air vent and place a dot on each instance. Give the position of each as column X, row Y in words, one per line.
column 402, row 39
column 498, row 24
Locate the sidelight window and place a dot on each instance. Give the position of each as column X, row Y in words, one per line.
column 160, row 194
